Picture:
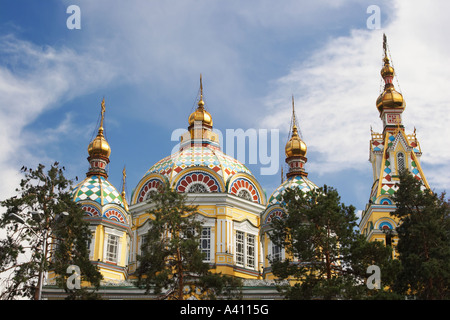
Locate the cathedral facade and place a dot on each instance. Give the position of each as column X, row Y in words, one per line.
column 235, row 210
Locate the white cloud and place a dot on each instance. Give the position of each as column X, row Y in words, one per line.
column 336, row 89
column 335, row 92
column 34, row 79
column 237, row 46
column 163, row 47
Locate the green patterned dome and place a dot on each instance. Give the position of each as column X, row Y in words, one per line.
column 98, row 189
column 300, row 182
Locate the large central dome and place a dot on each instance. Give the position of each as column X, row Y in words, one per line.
column 199, row 156
column 200, row 167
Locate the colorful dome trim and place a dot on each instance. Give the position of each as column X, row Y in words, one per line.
column 300, row 182
column 198, row 156
column 275, row 213
column 114, row 214
column 244, row 188
column 97, row 189
column 152, row 184
column 91, row 211
column 111, row 212
column 198, row 181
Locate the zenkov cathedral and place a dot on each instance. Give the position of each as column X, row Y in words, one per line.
column 234, row 209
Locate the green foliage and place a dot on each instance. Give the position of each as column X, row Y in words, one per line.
column 43, row 220
column 327, row 256
column 171, row 264
column 424, row 240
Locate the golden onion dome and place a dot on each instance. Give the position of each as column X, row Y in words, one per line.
column 99, row 146
column 201, row 115
column 389, row 98
column 295, row 146
column 387, row 70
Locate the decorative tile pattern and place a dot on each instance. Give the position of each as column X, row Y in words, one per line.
column 150, row 185
column 391, row 140
column 115, row 215
column 242, row 183
column 199, row 156
column 299, row 182
column 274, row 214
column 377, row 145
column 385, row 225
column 388, row 185
column 98, row 189
column 414, row 169
column 209, row 183
column 91, row 210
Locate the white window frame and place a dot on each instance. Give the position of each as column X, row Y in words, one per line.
column 250, row 251
column 249, row 257
column 110, row 233
column 211, row 224
column 112, row 248
column 91, row 243
column 273, row 255
column 240, row 248
column 206, row 238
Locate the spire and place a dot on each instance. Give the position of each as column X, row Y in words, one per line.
column 387, row 72
column 295, row 132
column 200, row 114
column 293, row 111
column 295, row 145
column 295, row 149
column 124, row 177
column 99, row 150
column 201, row 103
column 200, row 130
column 124, row 198
column 389, row 98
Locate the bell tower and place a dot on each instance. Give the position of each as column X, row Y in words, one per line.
column 391, row 151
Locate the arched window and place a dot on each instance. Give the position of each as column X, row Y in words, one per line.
column 385, row 226
column 401, row 165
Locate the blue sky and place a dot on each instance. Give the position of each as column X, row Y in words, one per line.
column 145, row 58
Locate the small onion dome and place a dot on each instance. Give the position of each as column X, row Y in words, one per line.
column 387, row 70
column 201, row 115
column 295, row 146
column 389, row 98
column 99, row 146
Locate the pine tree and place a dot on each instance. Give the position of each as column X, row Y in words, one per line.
column 171, row 265
column 424, row 240
column 326, row 255
column 45, row 231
